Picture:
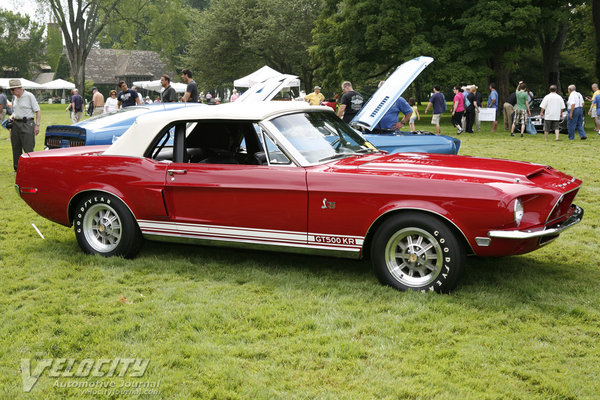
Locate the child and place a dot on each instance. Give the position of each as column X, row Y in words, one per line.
column 415, row 114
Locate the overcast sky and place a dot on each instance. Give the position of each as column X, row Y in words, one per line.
column 29, row 7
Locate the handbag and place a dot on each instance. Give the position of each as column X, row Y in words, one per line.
column 530, row 128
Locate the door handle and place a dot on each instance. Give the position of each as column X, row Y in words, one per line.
column 172, row 172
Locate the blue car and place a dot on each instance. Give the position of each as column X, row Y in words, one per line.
column 416, row 142
column 105, row 128
column 370, row 115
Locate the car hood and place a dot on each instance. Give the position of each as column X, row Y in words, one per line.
column 372, row 112
column 458, row 168
column 267, row 89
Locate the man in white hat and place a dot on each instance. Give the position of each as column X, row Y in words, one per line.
column 26, row 118
column 315, row 98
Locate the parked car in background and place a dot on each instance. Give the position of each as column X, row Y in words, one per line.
column 287, row 176
column 104, row 128
column 538, row 121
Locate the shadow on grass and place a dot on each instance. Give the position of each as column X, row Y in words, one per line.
column 526, row 279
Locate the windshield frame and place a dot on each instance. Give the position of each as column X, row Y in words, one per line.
column 297, row 156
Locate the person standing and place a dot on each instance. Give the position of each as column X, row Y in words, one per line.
column 593, row 112
column 471, row 109
column 509, row 108
column 191, row 92
column 389, row 122
column 493, row 103
column 26, row 118
column 552, row 107
column 458, row 109
column 168, row 95
column 127, row 97
column 112, row 104
column 234, row 96
column 97, row 101
column 575, row 110
column 478, row 105
column 415, row 114
column 139, row 94
column 438, row 102
column 316, row 97
column 76, row 106
column 3, row 105
column 350, row 103
column 521, row 109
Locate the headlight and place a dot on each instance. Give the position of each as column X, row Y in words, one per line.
column 518, row 212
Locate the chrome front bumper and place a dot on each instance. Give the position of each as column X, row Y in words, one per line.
column 574, row 219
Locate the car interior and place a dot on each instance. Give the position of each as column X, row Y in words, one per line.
column 215, row 142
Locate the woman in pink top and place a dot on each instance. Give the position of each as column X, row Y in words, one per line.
column 458, row 109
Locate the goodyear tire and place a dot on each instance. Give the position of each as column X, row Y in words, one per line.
column 416, row 251
column 104, row 225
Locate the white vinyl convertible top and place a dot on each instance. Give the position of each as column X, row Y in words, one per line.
column 137, row 138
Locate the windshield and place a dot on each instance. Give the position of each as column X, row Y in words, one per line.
column 321, row 136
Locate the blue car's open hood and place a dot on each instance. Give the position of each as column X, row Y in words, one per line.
column 372, row 112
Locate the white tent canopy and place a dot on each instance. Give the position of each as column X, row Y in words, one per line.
column 27, row 84
column 157, row 87
column 261, row 75
column 58, row 84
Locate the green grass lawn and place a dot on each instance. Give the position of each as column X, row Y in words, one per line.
column 219, row 323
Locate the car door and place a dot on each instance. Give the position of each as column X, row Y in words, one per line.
column 221, row 199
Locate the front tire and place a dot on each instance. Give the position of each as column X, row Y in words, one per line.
column 416, row 251
column 104, row 225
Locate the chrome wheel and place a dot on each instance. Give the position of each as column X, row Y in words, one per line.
column 102, row 227
column 414, row 257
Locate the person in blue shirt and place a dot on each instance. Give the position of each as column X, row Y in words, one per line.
column 389, row 122
column 596, row 102
column 493, row 103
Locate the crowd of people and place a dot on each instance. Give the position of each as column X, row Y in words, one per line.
column 466, row 107
column 467, row 103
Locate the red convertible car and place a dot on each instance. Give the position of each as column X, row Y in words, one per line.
column 303, row 181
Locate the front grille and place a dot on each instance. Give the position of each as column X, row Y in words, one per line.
column 562, row 206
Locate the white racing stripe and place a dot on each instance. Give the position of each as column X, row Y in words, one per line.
column 252, row 235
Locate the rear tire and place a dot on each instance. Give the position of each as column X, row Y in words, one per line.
column 104, row 225
column 415, row 251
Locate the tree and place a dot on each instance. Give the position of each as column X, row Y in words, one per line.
column 157, row 25
column 80, row 22
column 596, row 16
column 55, row 45
column 363, row 40
column 274, row 32
column 21, row 43
column 553, row 26
column 508, row 30
column 63, row 68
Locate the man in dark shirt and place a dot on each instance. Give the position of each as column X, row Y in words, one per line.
column 191, row 93
column 350, row 103
column 168, row 95
column 470, row 110
column 76, row 106
column 438, row 101
column 127, row 97
column 509, row 109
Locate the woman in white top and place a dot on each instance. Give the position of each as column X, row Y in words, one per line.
column 111, row 102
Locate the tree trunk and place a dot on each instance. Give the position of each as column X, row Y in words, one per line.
column 596, row 17
column 551, row 48
column 502, row 78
